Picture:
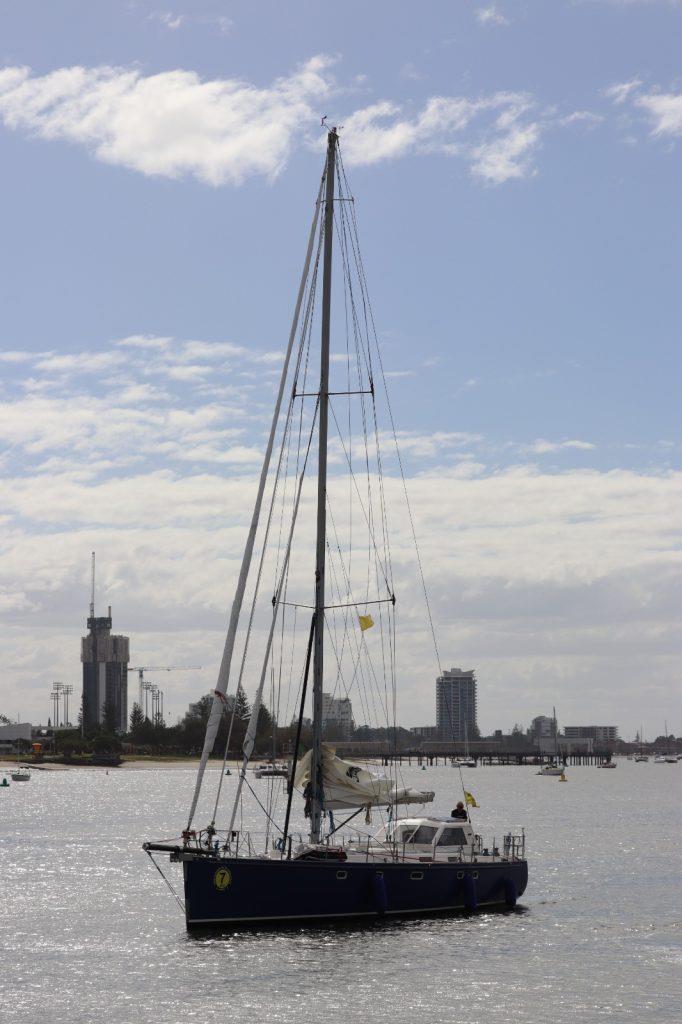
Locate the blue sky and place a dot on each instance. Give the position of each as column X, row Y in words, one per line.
column 516, row 168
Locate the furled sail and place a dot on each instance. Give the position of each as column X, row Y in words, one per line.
column 351, row 785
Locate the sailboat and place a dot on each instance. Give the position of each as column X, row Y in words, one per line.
column 467, row 761
column 416, row 863
column 555, row 767
column 668, row 757
column 641, row 757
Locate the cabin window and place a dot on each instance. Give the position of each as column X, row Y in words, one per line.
column 452, row 837
column 424, row 835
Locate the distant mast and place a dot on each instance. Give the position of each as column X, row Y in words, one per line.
column 92, row 585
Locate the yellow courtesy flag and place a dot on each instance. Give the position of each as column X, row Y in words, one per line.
column 366, row 622
column 470, row 799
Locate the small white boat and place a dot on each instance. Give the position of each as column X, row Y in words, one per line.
column 608, row 764
column 660, row 759
column 21, row 774
column 551, row 769
column 271, row 771
column 641, row 757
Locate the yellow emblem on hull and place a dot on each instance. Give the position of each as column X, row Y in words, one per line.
column 222, row 879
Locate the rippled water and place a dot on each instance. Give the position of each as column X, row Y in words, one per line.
column 90, row 933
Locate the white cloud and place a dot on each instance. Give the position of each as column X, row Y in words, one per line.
column 664, row 110
column 172, row 123
column 508, row 155
column 620, row 91
column 491, row 16
column 542, row 447
column 173, row 21
column 15, row 357
column 585, row 117
column 498, row 144
column 168, row 19
column 144, row 341
column 538, row 579
column 83, row 362
column 222, row 131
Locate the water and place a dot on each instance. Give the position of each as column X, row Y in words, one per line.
column 90, row 933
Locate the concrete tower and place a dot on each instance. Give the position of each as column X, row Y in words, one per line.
column 105, row 660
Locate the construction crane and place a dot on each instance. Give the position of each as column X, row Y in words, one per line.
column 145, row 687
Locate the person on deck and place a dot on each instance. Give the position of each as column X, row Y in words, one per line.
column 459, row 811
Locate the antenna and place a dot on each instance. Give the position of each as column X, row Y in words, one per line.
column 92, row 587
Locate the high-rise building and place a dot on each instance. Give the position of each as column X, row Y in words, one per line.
column 456, row 705
column 542, row 727
column 425, row 732
column 105, row 660
column 598, row 733
column 337, row 713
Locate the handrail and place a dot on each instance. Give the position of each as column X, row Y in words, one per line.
column 214, row 842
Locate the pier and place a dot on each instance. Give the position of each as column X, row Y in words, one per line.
column 434, row 754
column 498, row 757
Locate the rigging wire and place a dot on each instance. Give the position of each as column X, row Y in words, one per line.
column 366, row 301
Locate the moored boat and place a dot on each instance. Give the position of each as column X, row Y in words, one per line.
column 555, row 767
column 271, row 771
column 412, row 864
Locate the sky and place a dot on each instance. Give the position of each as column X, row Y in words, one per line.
column 516, row 169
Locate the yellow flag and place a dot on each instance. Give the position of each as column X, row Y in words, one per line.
column 470, row 799
column 366, row 622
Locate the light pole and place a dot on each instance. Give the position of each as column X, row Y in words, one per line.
column 147, row 687
column 56, row 694
column 67, row 689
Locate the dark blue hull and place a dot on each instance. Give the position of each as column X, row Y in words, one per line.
column 239, row 890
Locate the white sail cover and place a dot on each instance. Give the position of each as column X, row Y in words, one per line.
column 351, row 785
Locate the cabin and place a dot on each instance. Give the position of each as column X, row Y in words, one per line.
column 429, row 837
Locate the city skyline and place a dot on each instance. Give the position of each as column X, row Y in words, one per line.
column 519, row 228
column 174, row 713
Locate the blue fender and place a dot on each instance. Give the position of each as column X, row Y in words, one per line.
column 380, row 897
column 510, row 893
column 469, row 890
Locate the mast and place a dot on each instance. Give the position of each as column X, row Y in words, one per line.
column 556, row 737
column 92, row 585
column 317, row 794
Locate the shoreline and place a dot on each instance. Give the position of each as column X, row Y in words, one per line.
column 134, row 764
